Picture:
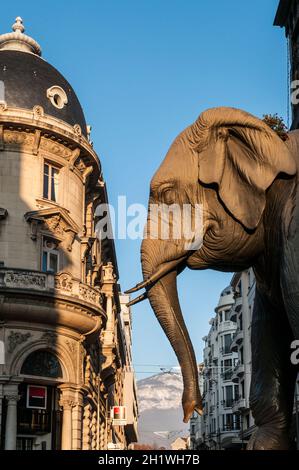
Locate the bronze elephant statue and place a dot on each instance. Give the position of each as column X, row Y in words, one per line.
column 245, row 177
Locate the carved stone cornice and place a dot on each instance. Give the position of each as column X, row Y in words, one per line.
column 16, row 139
column 53, row 130
column 56, row 148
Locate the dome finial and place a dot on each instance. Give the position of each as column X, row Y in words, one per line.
column 18, row 25
column 18, row 41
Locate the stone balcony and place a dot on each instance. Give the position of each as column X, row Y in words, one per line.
column 235, row 309
column 34, row 296
column 239, row 405
column 237, row 340
column 226, row 325
column 238, row 371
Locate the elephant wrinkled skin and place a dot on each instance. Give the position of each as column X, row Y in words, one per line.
column 245, row 177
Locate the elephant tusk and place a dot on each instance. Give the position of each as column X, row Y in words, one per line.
column 138, row 299
column 162, row 271
column 139, row 286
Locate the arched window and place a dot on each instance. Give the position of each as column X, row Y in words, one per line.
column 43, row 364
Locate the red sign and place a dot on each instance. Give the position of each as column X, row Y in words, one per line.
column 118, row 415
column 36, row 396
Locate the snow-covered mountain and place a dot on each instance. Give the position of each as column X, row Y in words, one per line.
column 161, row 416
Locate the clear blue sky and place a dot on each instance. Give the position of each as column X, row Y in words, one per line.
column 143, row 70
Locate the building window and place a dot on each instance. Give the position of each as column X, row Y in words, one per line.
column 24, row 443
column 241, row 322
column 51, row 175
column 50, row 256
column 227, row 340
column 242, row 355
column 243, row 389
column 43, row 364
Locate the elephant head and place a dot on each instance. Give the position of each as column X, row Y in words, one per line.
column 224, row 162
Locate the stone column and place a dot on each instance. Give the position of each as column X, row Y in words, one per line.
column 77, row 419
column 66, row 435
column 11, row 422
column 67, row 402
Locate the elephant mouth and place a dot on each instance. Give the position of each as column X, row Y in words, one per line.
column 148, row 283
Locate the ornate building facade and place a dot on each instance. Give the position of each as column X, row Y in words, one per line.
column 220, row 426
column 65, row 353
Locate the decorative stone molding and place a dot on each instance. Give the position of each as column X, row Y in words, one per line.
column 87, row 427
column 33, row 141
column 108, row 336
column 108, row 279
column 67, row 404
column 64, row 281
column 16, row 338
column 19, row 139
column 56, row 221
column 50, row 338
column 56, row 148
column 72, row 347
column 25, row 280
column 37, row 137
column 89, row 295
column 67, row 284
column 61, row 283
column 13, row 397
column 58, row 137
column 75, row 155
column 38, row 112
column 3, row 106
column 86, row 173
column 57, row 96
column 94, row 430
column 108, row 273
column 77, row 129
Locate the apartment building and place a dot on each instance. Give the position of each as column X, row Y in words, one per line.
column 220, row 426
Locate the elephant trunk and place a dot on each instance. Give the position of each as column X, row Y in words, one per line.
column 164, row 300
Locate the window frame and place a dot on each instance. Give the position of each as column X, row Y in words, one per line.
column 47, row 192
column 48, row 251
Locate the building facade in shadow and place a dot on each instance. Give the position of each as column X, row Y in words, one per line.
column 67, row 357
column 287, row 17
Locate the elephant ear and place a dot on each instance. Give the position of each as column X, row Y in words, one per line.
column 243, row 156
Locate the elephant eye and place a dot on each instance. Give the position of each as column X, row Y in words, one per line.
column 168, row 196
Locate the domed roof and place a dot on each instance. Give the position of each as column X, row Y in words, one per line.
column 226, row 298
column 29, row 80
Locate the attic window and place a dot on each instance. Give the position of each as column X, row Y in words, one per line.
column 57, row 96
